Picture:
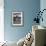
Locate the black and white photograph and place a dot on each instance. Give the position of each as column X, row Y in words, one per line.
column 17, row 18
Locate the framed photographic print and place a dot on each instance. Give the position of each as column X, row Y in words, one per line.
column 17, row 18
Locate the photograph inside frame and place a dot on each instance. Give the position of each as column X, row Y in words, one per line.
column 16, row 18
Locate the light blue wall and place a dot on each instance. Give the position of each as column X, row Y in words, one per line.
column 29, row 7
column 43, row 6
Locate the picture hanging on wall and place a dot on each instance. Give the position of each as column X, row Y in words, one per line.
column 17, row 18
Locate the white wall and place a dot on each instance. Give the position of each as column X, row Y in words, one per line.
column 1, row 20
